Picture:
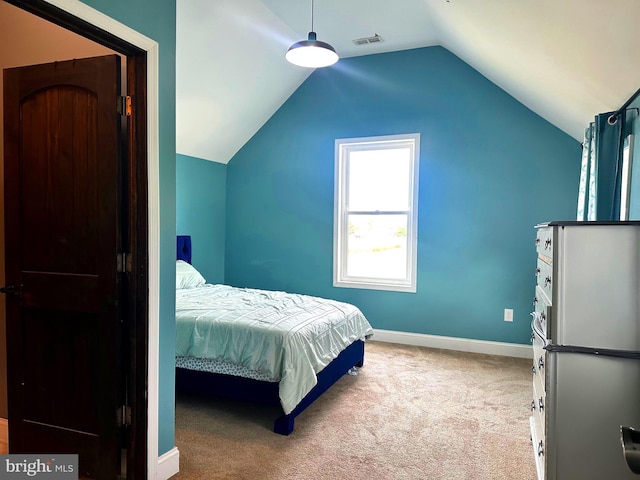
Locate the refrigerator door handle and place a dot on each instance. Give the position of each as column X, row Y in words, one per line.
column 605, row 352
column 631, row 447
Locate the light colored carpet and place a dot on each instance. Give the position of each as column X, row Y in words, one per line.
column 412, row 413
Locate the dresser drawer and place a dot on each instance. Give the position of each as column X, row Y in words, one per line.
column 542, row 307
column 544, row 274
column 539, row 444
column 538, row 405
column 539, row 361
column 544, row 242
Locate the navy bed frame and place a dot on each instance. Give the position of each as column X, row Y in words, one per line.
column 246, row 389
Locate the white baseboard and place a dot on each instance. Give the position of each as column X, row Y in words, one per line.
column 168, row 464
column 454, row 343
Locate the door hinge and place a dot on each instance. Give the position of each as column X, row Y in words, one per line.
column 124, row 106
column 123, row 464
column 124, row 263
column 123, row 415
column 123, row 419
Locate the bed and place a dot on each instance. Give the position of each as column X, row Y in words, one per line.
column 276, row 348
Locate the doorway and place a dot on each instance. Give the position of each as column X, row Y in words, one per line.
column 141, row 56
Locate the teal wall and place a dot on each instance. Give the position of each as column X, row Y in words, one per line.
column 157, row 20
column 200, row 212
column 490, row 169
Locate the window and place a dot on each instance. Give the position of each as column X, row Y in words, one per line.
column 376, row 217
column 625, row 182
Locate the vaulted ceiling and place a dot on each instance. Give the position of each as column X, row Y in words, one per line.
column 566, row 60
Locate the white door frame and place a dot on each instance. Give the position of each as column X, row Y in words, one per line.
column 100, row 20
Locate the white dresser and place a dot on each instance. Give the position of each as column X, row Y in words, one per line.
column 586, row 348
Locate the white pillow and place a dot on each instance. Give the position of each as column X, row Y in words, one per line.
column 187, row 276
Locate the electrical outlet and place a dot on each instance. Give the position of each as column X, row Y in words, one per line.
column 508, row 314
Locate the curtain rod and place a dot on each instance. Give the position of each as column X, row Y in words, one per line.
column 613, row 118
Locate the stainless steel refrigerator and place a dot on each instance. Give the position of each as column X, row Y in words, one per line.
column 586, row 341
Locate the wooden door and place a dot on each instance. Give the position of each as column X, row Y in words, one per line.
column 63, row 214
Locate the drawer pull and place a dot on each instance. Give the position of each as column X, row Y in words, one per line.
column 533, row 405
column 537, row 271
column 547, row 281
column 537, row 241
column 541, row 362
column 532, row 337
column 541, row 404
column 540, row 449
column 535, row 300
column 533, row 370
column 547, row 244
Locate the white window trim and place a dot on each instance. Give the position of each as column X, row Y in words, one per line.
column 342, row 148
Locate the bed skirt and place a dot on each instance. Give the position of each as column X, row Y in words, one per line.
column 266, row 393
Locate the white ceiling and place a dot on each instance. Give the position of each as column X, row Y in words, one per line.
column 566, row 60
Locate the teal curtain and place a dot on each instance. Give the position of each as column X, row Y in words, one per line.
column 599, row 189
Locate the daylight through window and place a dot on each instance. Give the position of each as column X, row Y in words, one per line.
column 376, row 192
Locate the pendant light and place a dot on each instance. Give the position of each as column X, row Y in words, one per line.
column 311, row 53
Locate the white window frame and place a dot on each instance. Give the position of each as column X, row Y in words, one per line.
column 627, row 168
column 343, row 148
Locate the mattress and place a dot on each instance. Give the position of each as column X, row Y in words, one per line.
column 280, row 336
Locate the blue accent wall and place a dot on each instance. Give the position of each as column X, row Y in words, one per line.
column 157, row 20
column 200, row 212
column 490, row 169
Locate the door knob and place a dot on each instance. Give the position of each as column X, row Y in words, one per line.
column 11, row 290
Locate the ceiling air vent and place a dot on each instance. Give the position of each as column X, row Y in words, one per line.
column 367, row 40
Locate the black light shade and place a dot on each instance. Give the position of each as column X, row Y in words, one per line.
column 311, row 53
